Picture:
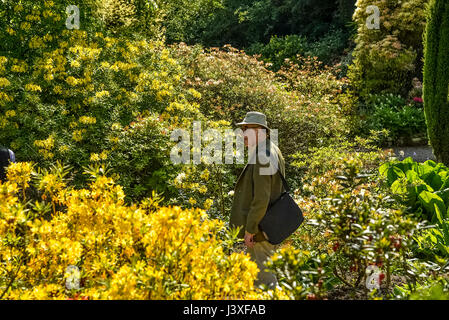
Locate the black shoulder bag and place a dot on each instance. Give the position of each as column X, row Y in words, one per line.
column 282, row 218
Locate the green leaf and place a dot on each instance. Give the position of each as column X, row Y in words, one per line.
column 438, row 213
column 445, row 179
column 442, row 224
column 429, row 200
column 393, row 174
column 412, row 176
column 444, row 194
column 398, row 187
column 434, row 180
column 408, row 160
column 407, row 164
column 424, row 170
column 383, row 169
column 430, row 163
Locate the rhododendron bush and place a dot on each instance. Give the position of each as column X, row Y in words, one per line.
column 83, row 97
column 142, row 251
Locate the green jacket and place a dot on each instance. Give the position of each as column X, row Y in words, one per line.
column 255, row 191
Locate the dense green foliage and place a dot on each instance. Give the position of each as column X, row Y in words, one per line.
column 422, row 185
column 326, row 49
column 424, row 189
column 241, row 23
column 402, row 120
column 387, row 59
column 436, row 78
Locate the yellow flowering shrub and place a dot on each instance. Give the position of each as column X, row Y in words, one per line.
column 138, row 251
column 83, row 96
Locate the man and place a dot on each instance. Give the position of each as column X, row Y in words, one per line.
column 257, row 187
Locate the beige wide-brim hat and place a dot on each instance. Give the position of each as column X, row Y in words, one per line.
column 254, row 117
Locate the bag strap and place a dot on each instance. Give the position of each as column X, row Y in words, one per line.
column 284, row 182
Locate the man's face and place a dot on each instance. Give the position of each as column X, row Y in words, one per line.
column 250, row 134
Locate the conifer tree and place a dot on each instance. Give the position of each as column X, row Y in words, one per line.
column 436, row 78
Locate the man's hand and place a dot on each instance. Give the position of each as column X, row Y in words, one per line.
column 249, row 239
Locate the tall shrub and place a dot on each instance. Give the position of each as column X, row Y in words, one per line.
column 387, row 59
column 436, row 78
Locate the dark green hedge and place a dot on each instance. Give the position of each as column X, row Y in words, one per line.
column 436, row 78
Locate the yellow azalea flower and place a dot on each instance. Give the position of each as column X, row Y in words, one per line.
column 25, row 26
column 194, row 93
column 72, row 81
column 16, row 68
column 46, row 144
column 4, row 98
column 20, row 172
column 161, row 94
column 87, row 120
column 10, row 31
column 32, row 17
column 10, row 113
column 104, row 155
column 207, row 204
column 202, row 189
column 77, row 135
column 49, row 77
column 32, row 87
column 94, row 157
column 63, row 148
column 116, row 126
column 57, row 89
column 4, row 82
column 75, row 64
column 205, row 174
column 102, row 94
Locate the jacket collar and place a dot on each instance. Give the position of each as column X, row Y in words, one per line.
column 253, row 153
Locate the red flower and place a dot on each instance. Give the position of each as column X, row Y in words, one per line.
column 381, row 277
column 418, row 99
column 311, row 296
column 336, row 246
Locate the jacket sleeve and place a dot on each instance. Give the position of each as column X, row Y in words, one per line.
column 261, row 199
